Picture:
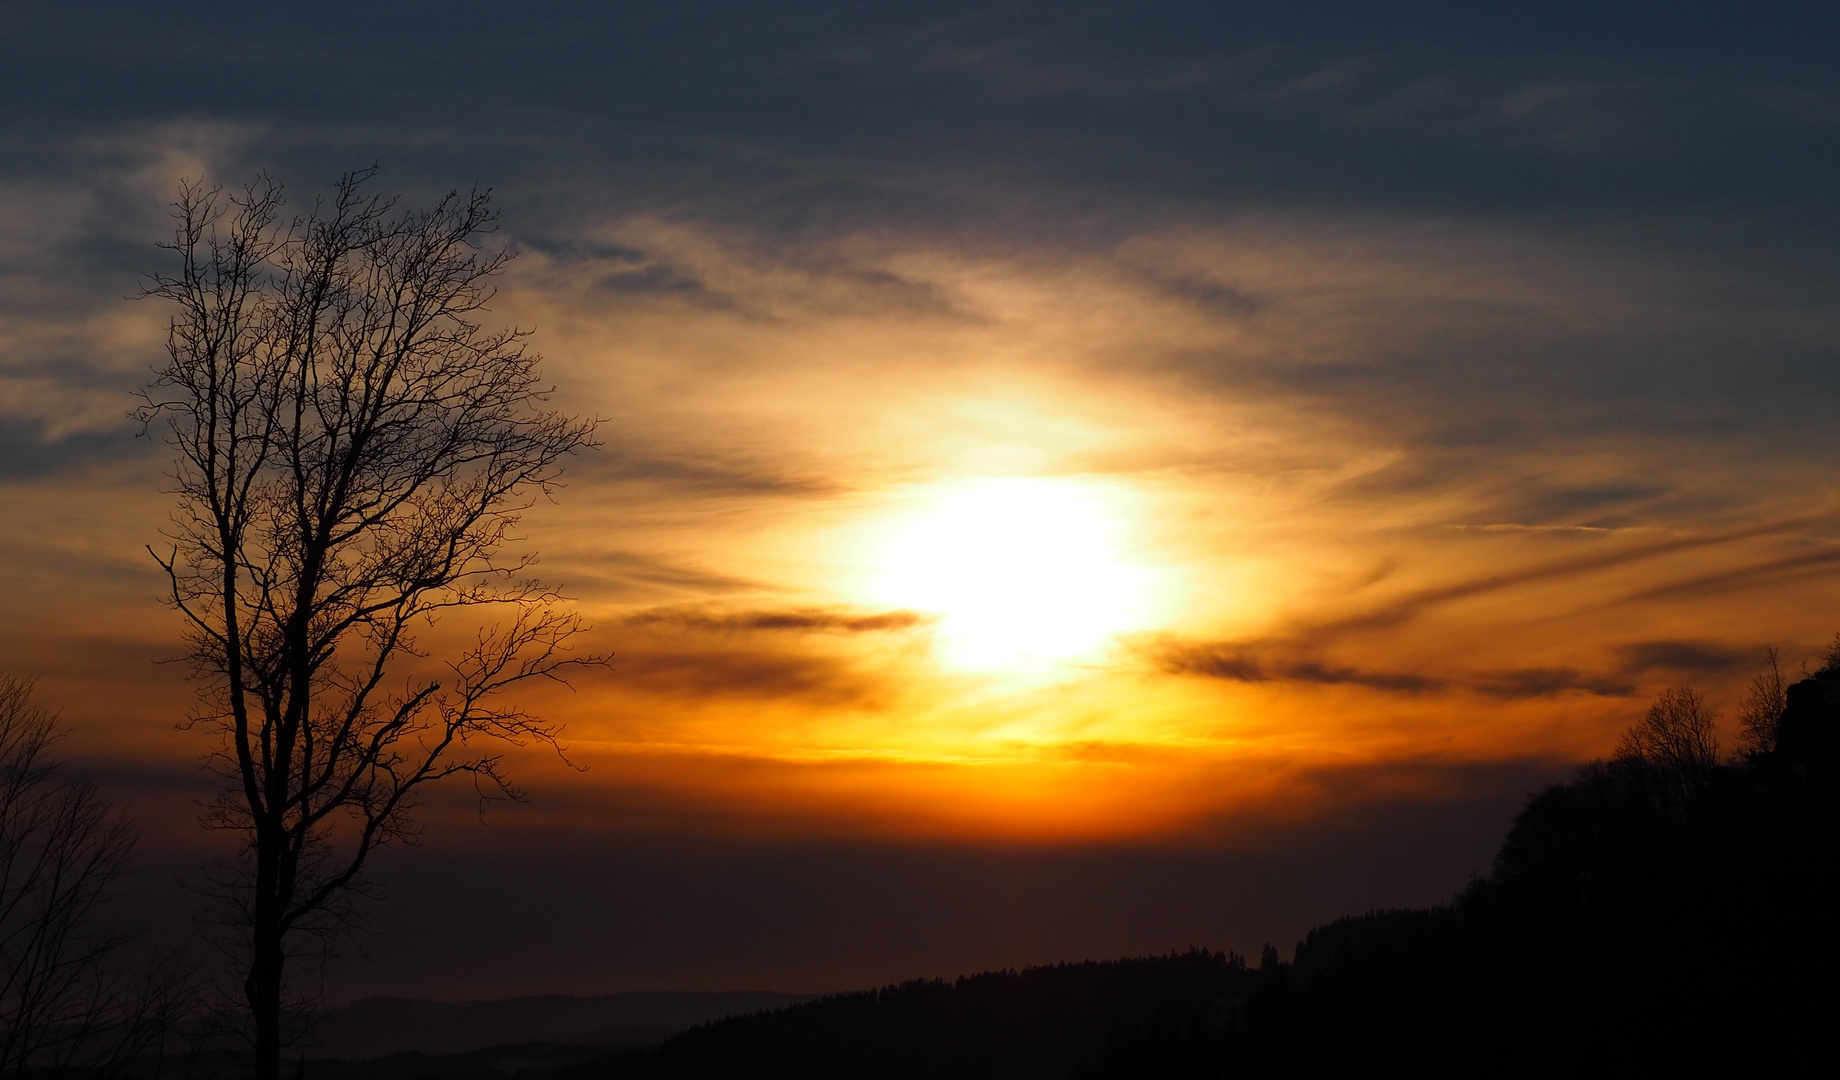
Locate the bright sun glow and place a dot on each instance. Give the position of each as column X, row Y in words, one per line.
column 1022, row 572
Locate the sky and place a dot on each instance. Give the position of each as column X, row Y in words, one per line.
column 1077, row 479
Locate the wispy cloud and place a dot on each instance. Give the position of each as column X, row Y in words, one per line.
column 1625, row 670
column 1413, row 604
column 712, row 673
column 1255, row 664
column 833, row 620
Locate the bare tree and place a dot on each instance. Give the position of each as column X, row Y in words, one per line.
column 64, row 1001
column 1761, row 711
column 1678, row 736
column 1829, row 660
column 353, row 451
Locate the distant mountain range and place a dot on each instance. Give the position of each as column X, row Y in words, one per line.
column 374, row 1027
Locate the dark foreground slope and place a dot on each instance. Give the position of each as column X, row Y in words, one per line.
column 374, row 1027
column 1039, row 1022
column 1652, row 917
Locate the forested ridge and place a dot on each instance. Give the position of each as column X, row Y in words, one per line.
column 1667, row 911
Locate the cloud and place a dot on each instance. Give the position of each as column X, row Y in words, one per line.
column 1253, row 664
column 1413, row 604
column 1279, row 662
column 1223, row 300
column 694, row 471
column 1265, row 663
column 1525, row 683
column 1809, row 562
column 1684, row 657
column 644, row 276
column 831, row 620
column 749, row 674
column 28, row 452
column 626, row 570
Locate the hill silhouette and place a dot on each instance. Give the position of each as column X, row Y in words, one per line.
column 377, row 1026
column 1663, row 913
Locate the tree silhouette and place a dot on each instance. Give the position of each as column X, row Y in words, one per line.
column 353, row 451
column 1678, row 736
column 64, row 1002
column 1760, row 713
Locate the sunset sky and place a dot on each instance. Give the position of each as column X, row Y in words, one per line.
column 1078, row 479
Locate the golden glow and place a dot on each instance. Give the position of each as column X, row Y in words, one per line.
column 1073, row 475
column 1023, row 573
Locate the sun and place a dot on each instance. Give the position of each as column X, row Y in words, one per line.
column 1022, row 573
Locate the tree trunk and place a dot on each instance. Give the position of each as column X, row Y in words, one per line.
column 262, row 988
